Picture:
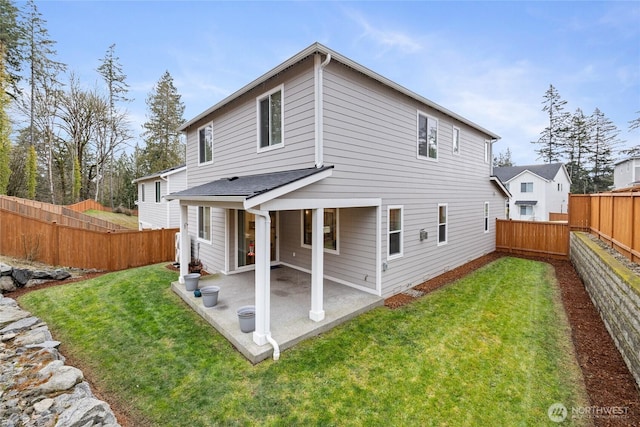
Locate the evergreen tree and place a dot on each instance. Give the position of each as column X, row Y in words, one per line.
column 604, row 141
column 117, row 129
column 164, row 148
column 553, row 136
column 633, row 151
column 577, row 149
column 11, row 45
column 5, row 127
column 44, row 86
column 503, row 159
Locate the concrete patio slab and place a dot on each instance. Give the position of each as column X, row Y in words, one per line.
column 290, row 305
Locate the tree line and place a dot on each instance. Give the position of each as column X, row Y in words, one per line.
column 586, row 144
column 61, row 142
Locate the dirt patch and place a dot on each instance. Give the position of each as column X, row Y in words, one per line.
column 608, row 381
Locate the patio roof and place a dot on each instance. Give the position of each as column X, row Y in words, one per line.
column 244, row 188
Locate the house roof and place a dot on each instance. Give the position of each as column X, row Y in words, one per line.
column 335, row 56
column 628, row 159
column 546, row 171
column 240, row 188
column 160, row 174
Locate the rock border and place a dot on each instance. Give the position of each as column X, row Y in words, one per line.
column 37, row 389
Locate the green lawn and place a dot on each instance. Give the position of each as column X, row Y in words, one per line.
column 129, row 221
column 492, row 349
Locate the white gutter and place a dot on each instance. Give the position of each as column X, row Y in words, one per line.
column 319, row 122
column 265, row 270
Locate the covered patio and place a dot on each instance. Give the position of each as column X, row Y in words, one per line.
column 290, row 298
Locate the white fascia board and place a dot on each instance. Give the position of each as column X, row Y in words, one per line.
column 286, row 189
column 205, row 199
column 532, row 173
column 501, row 186
column 172, row 172
column 297, row 204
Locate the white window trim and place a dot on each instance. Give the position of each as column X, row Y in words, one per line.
column 401, row 253
column 157, row 192
column 335, row 251
column 486, row 216
column 202, row 239
column 453, row 140
column 201, row 163
column 446, row 232
column 487, row 151
column 260, row 98
column 422, row 113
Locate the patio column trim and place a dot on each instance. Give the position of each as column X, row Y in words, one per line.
column 185, row 242
column 262, row 276
column 317, row 265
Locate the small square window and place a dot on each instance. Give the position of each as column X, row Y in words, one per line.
column 526, row 187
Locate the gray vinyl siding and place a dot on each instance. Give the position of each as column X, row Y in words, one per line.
column 150, row 213
column 211, row 254
column 235, row 132
column 175, row 182
column 355, row 262
column 371, row 136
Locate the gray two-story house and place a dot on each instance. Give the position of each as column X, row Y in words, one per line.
column 326, row 167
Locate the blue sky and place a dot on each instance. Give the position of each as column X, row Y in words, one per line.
column 490, row 62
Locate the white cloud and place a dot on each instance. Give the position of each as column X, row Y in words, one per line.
column 387, row 39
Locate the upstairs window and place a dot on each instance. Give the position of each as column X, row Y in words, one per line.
column 526, row 187
column 427, row 137
column 487, row 151
column 270, row 120
column 205, row 144
column 456, row 140
column 158, row 193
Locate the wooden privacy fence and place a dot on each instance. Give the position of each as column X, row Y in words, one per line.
column 533, row 238
column 87, row 205
column 613, row 217
column 62, row 215
column 55, row 244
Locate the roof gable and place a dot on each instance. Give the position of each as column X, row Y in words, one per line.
column 318, row 48
column 546, row 171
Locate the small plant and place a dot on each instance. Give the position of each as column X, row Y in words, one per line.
column 195, row 266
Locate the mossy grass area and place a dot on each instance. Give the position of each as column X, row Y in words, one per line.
column 492, row 349
column 129, row 221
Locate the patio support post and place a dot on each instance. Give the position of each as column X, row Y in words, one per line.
column 263, row 277
column 185, row 242
column 317, row 265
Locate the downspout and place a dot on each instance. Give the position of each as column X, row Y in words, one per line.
column 269, row 338
column 319, row 111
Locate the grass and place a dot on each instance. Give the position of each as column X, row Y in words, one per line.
column 490, row 349
column 129, row 221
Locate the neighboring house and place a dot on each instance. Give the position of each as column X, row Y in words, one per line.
column 627, row 173
column 329, row 168
column 153, row 210
column 535, row 190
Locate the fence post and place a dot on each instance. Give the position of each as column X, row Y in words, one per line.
column 55, row 244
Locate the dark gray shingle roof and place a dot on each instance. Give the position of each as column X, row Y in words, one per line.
column 248, row 186
column 547, row 171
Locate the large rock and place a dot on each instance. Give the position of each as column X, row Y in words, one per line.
column 10, row 314
column 87, row 412
column 5, row 270
column 21, row 276
column 7, row 284
column 21, row 324
column 63, row 378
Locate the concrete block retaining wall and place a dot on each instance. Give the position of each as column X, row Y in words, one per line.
column 615, row 291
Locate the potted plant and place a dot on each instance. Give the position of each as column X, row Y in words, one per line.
column 195, row 266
